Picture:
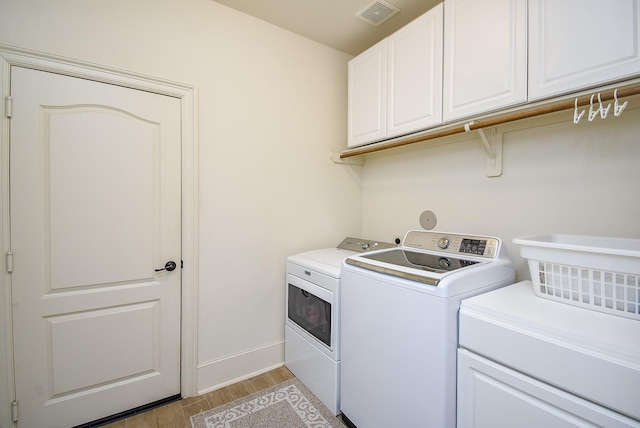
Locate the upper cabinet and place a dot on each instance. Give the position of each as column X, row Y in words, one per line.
column 575, row 44
column 485, row 52
column 367, row 109
column 466, row 58
column 395, row 86
column 415, row 75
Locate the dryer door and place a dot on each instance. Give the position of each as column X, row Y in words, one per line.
column 311, row 311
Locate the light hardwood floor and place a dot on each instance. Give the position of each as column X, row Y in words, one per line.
column 177, row 414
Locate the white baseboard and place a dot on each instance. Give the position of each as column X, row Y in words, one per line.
column 228, row 370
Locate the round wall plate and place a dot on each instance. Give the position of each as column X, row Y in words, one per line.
column 428, row 220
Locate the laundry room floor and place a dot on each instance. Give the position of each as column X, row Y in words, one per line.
column 177, row 414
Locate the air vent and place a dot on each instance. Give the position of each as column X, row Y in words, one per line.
column 377, row 12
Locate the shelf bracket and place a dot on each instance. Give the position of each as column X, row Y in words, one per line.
column 494, row 164
column 335, row 157
column 488, row 147
column 493, row 147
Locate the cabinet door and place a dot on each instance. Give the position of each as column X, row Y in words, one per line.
column 575, row 44
column 415, row 75
column 493, row 396
column 484, row 56
column 367, row 104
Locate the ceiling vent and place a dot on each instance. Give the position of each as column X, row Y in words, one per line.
column 377, row 12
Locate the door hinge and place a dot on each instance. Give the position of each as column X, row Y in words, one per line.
column 8, row 106
column 9, row 261
column 14, row 411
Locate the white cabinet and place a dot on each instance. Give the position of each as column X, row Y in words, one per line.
column 367, row 109
column 395, row 86
column 529, row 362
column 415, row 75
column 485, row 56
column 493, row 396
column 468, row 58
column 576, row 44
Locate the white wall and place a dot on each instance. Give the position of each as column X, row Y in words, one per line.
column 272, row 105
column 558, row 178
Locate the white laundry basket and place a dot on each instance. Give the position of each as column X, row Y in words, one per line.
column 598, row 273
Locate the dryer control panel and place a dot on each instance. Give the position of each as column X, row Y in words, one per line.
column 361, row 245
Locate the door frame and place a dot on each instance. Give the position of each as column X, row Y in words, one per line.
column 12, row 56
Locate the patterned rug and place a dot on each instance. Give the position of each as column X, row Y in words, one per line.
column 287, row 405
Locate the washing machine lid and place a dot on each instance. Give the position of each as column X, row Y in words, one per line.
column 422, row 267
column 429, row 262
column 428, row 257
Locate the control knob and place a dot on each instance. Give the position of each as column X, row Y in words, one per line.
column 444, row 243
column 444, row 263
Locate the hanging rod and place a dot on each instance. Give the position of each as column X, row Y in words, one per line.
column 512, row 117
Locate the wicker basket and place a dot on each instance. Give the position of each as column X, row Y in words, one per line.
column 598, row 273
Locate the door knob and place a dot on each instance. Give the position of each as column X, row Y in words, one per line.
column 169, row 266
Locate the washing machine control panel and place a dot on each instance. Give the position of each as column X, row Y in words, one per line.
column 453, row 243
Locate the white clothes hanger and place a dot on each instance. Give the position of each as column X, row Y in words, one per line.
column 617, row 108
column 604, row 111
column 592, row 113
column 577, row 115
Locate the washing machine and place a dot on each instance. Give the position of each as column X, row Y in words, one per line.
column 312, row 322
column 399, row 326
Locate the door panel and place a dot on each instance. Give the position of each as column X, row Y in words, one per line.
column 415, row 75
column 367, row 98
column 485, row 56
column 88, row 337
column 95, row 207
column 91, row 216
column 566, row 55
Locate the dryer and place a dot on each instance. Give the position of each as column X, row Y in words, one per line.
column 312, row 319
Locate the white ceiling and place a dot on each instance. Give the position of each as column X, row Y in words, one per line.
column 332, row 22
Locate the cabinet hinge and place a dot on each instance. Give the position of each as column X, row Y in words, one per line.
column 9, row 261
column 14, row 411
column 8, row 106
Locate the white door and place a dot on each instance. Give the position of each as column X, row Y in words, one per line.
column 367, row 98
column 415, row 75
column 95, row 209
column 491, row 395
column 574, row 44
column 485, row 56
